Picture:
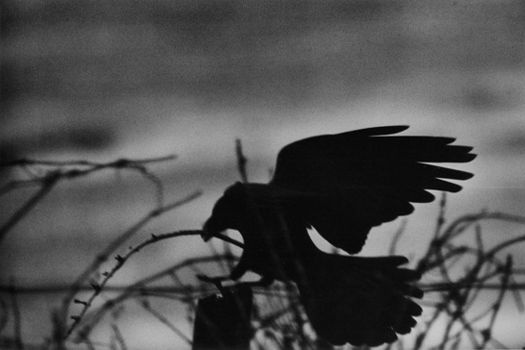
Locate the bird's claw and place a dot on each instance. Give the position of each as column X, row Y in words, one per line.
column 216, row 281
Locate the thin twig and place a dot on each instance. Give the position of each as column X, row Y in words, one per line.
column 45, row 188
column 241, row 161
column 138, row 288
column 17, row 320
column 397, row 236
column 118, row 337
column 146, row 305
column 86, row 163
column 71, row 170
column 487, row 335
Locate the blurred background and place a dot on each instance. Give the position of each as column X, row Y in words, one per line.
column 99, row 80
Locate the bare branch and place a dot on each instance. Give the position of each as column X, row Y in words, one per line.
column 46, row 186
column 146, row 305
column 241, row 161
column 16, row 318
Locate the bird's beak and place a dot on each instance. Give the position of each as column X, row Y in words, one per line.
column 207, row 233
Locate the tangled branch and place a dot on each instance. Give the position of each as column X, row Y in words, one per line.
column 462, row 264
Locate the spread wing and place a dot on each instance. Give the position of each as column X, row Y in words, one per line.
column 361, row 300
column 352, row 181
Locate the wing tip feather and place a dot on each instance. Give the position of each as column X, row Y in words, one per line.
column 379, row 130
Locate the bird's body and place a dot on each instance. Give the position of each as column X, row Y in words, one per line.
column 342, row 185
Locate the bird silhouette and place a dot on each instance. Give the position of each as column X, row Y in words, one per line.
column 342, row 185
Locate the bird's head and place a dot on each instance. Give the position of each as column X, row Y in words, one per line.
column 225, row 213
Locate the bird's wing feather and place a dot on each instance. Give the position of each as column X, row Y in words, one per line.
column 359, row 179
column 367, row 299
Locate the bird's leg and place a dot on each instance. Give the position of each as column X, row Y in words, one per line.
column 238, row 271
column 216, row 281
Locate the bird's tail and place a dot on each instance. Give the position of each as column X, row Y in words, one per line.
column 363, row 300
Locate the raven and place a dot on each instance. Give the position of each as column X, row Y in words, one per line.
column 342, row 185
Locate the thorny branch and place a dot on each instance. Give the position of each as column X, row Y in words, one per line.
column 451, row 298
column 458, row 290
column 120, row 261
column 47, row 174
column 180, row 292
column 115, row 244
column 159, row 316
column 46, row 186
